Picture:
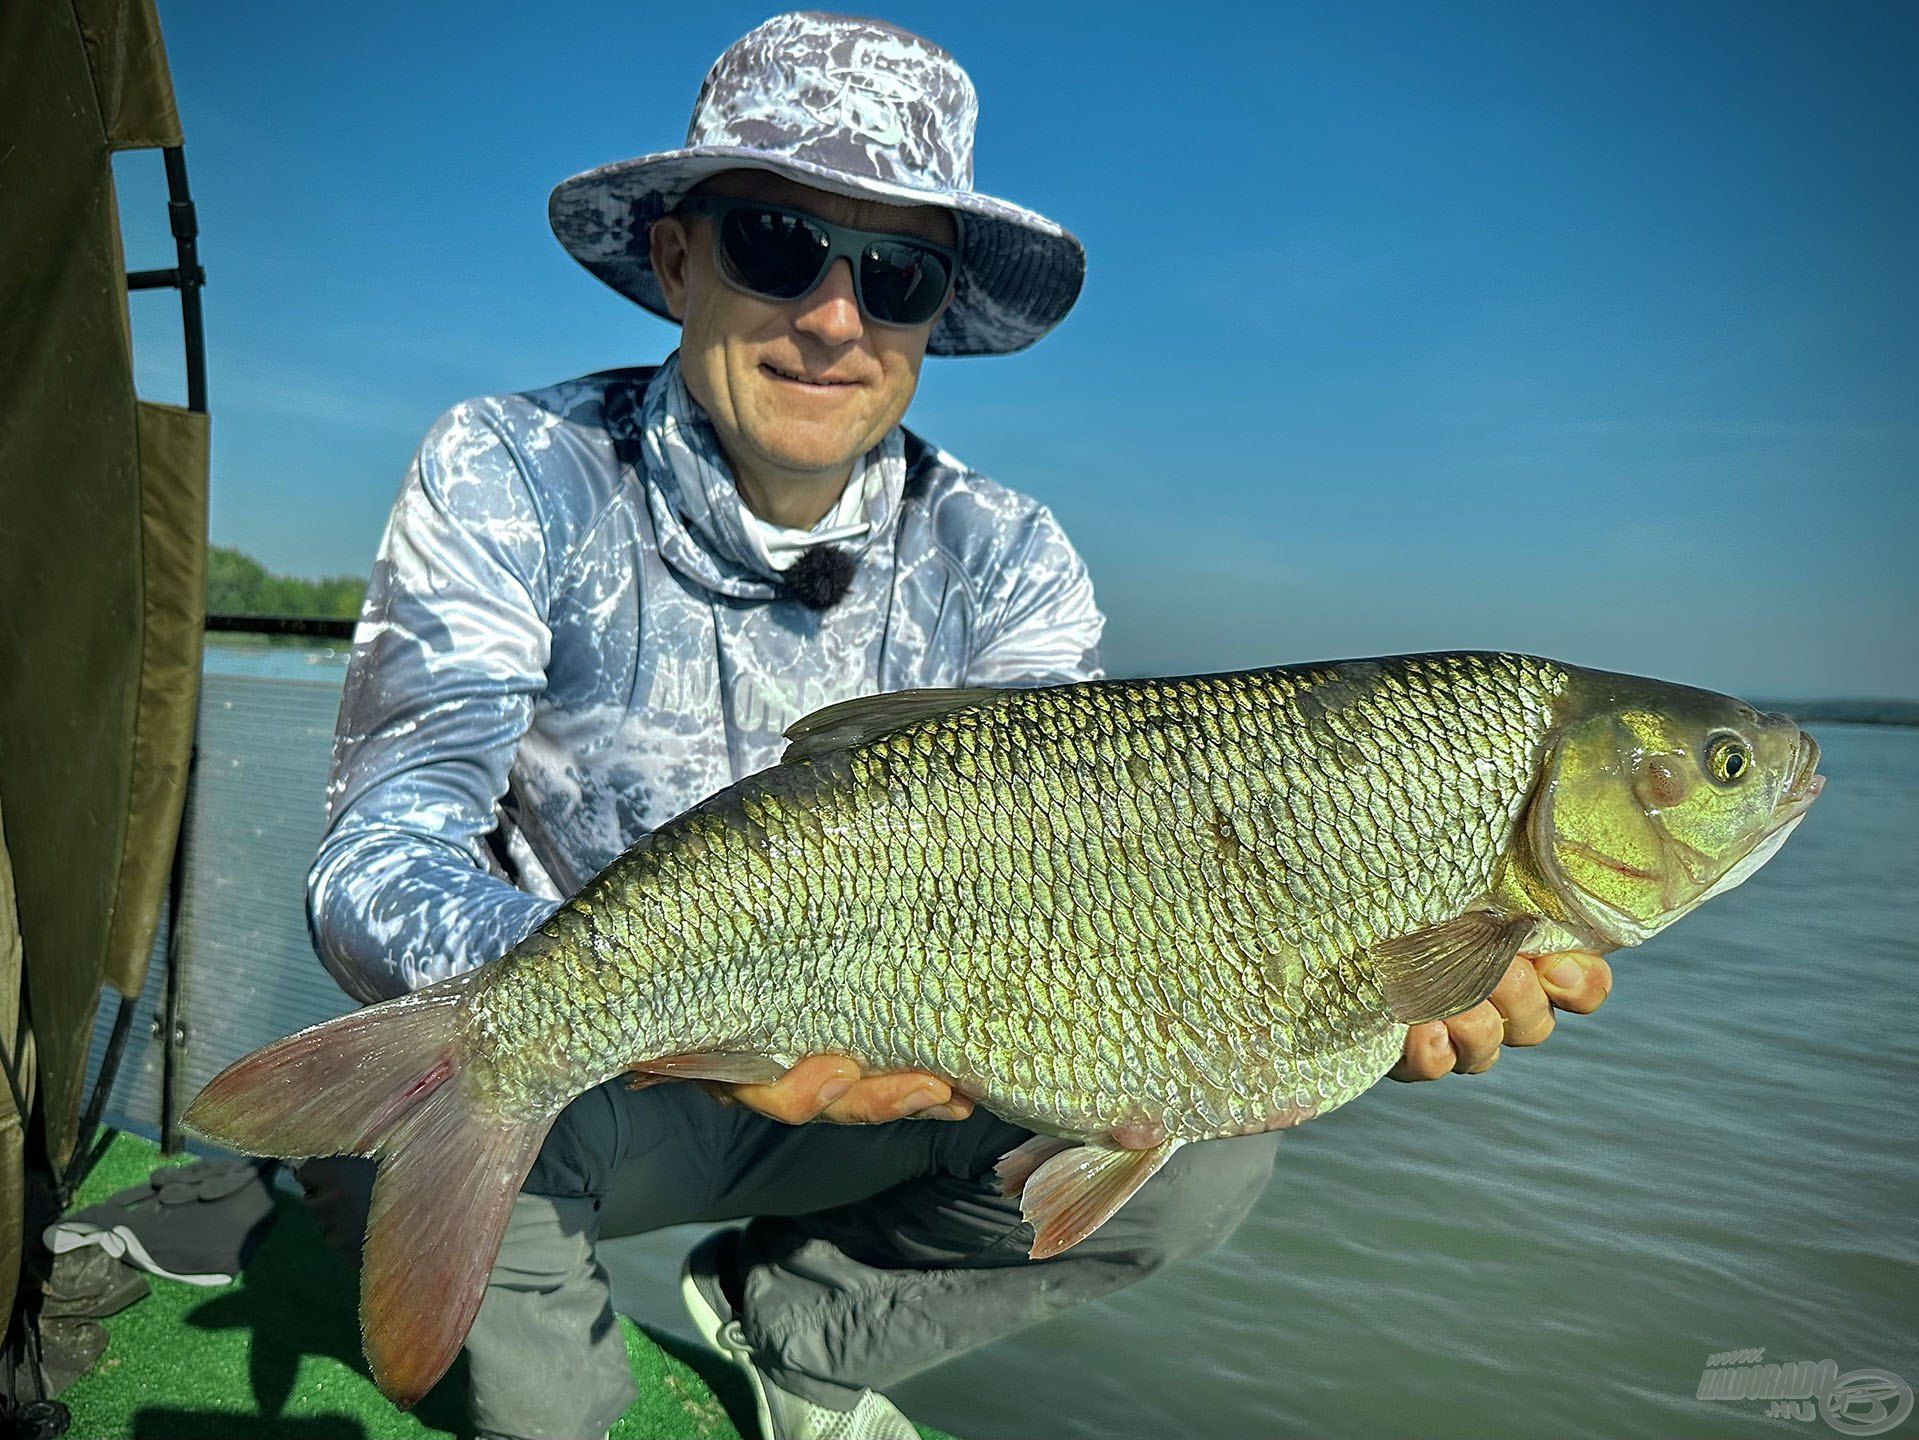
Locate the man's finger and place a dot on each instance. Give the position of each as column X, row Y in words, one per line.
column 830, row 1087
column 803, row 1093
column 1427, row 1055
column 1476, row 1034
column 1574, row 980
column 1522, row 1001
column 957, row 1108
column 880, row 1098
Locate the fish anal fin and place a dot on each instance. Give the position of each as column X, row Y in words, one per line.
column 1079, row 1188
column 851, row 722
column 1440, row 970
column 1017, row 1165
column 733, row 1067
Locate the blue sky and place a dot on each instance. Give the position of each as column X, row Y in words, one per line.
column 1590, row 330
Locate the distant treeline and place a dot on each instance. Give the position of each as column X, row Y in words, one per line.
column 237, row 584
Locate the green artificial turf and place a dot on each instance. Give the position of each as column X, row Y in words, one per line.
column 278, row 1353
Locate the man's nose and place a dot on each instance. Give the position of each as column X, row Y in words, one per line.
column 832, row 311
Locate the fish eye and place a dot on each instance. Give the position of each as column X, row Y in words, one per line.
column 1728, row 759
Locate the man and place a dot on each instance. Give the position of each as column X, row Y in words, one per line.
column 599, row 602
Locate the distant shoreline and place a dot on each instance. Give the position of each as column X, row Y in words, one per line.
column 1850, row 712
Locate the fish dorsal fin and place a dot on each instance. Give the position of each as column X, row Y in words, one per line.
column 1442, row 969
column 852, row 722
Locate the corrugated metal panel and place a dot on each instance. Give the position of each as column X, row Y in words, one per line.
column 254, row 817
column 135, row 1102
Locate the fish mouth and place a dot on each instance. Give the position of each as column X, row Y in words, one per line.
column 1805, row 783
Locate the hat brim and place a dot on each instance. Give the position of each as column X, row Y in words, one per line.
column 1019, row 272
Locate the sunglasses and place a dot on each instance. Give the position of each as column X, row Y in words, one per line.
column 779, row 254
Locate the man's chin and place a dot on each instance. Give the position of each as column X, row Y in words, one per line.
column 812, row 464
column 791, row 448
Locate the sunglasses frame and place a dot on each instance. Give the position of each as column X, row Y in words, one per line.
column 842, row 241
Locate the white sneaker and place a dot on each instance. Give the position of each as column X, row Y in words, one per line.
column 783, row 1415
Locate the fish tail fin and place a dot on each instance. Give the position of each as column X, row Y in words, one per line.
column 384, row 1082
column 440, row 1207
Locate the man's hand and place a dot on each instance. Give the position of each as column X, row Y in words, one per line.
column 1518, row 1012
column 830, row 1087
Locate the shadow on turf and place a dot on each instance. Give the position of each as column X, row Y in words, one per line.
column 728, row 1385
column 157, row 1423
column 298, row 1300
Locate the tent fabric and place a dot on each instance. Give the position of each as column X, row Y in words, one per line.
column 102, row 525
column 173, row 526
column 133, row 88
column 69, row 526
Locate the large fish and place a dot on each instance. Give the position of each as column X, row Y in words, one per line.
column 1129, row 915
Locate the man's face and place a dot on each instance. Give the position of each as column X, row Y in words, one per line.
column 801, row 387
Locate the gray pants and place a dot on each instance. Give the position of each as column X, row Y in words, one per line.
column 875, row 1252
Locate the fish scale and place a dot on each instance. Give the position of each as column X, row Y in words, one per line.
column 1170, row 897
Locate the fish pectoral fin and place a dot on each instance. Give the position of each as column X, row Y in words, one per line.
column 1442, row 969
column 734, row 1067
column 851, row 721
column 1075, row 1189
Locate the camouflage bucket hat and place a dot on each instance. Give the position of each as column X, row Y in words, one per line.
column 860, row 108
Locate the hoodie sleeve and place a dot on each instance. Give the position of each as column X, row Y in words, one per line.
column 449, row 657
column 1041, row 625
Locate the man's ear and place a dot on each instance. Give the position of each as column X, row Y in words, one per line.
column 667, row 248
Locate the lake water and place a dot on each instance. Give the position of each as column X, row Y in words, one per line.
column 1726, row 1157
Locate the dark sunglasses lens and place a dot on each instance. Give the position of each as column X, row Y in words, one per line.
column 901, row 283
column 779, row 256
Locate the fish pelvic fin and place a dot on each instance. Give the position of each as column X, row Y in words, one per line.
column 386, row 1082
column 733, row 1067
column 1068, row 1191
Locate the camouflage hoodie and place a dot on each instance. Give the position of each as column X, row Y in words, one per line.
column 570, row 636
